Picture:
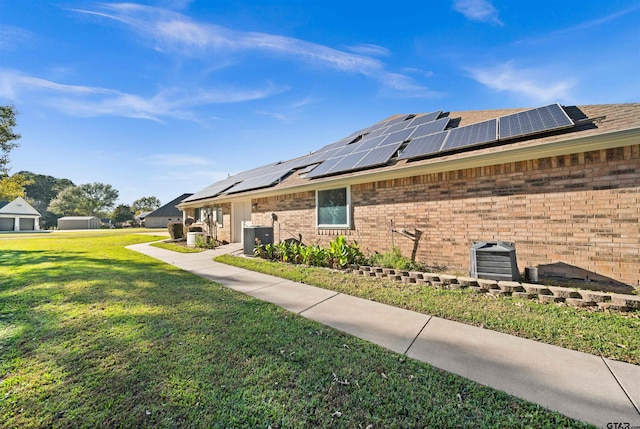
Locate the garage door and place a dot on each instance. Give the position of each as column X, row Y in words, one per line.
column 27, row 224
column 6, row 224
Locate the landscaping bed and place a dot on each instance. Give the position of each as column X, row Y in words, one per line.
column 574, row 297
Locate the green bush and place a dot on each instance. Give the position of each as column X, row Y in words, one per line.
column 176, row 230
column 339, row 254
column 393, row 259
column 205, row 242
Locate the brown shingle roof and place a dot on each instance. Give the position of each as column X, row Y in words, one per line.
column 591, row 120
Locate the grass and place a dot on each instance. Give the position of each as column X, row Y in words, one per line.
column 95, row 335
column 610, row 334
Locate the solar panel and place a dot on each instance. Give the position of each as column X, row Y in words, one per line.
column 425, row 145
column 376, row 133
column 397, row 127
column 349, row 162
column 308, row 168
column 398, row 136
column 371, row 143
column 469, row 135
column 353, row 147
column 534, row 121
column 398, row 120
column 356, row 160
column 315, row 157
column 419, row 120
column 324, row 168
column 378, row 156
column 260, row 181
column 430, row 128
column 213, row 190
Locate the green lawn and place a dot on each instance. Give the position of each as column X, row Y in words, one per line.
column 610, row 334
column 95, row 335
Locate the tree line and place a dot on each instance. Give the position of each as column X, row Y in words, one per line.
column 56, row 197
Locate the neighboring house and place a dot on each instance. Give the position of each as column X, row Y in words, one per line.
column 141, row 218
column 561, row 182
column 78, row 222
column 18, row 215
column 160, row 217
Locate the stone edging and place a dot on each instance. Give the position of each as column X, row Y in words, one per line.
column 544, row 294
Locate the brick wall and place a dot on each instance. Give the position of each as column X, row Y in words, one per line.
column 224, row 233
column 575, row 215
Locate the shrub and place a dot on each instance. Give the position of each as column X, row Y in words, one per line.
column 206, row 242
column 393, row 259
column 176, row 230
column 339, row 254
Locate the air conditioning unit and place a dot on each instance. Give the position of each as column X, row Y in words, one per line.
column 494, row 260
column 254, row 234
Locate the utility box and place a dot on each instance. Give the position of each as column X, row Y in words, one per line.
column 254, row 235
column 494, row 260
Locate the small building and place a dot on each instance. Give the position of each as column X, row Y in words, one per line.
column 78, row 222
column 165, row 214
column 18, row 215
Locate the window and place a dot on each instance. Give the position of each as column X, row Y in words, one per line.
column 333, row 208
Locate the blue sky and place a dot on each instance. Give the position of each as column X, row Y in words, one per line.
column 165, row 97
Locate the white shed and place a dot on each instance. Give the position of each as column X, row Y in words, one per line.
column 78, row 222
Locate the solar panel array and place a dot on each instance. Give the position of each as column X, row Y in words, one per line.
column 376, row 145
column 213, row 190
column 533, row 121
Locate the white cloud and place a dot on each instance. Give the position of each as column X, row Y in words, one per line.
column 86, row 101
column 477, row 10
column 587, row 25
column 175, row 159
column 11, row 37
column 195, row 178
column 536, row 85
column 174, row 32
column 368, row 49
column 275, row 115
column 408, row 88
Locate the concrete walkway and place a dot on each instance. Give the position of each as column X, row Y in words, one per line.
column 582, row 386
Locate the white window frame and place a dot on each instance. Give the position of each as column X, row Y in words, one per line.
column 346, row 225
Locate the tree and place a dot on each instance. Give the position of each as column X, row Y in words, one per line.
column 41, row 191
column 12, row 187
column 145, row 204
column 85, row 200
column 122, row 213
column 7, row 136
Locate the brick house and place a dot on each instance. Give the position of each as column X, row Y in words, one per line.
column 568, row 196
column 160, row 217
